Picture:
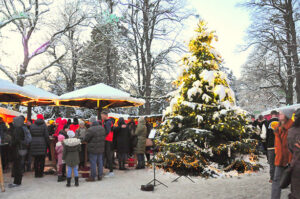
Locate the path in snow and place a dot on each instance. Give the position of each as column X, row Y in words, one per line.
column 126, row 185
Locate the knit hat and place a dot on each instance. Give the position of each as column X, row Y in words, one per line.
column 51, row 122
column 288, row 112
column 71, row 134
column 60, row 138
column 93, row 119
column 40, row 116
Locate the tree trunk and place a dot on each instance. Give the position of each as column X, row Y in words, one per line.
column 294, row 46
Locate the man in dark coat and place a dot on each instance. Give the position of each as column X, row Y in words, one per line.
column 270, row 139
column 107, row 124
column 38, row 147
column 122, row 134
column 17, row 140
column 95, row 139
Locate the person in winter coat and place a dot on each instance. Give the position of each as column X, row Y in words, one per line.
column 71, row 156
column 123, row 141
column 107, row 124
column 141, row 132
column 38, row 147
column 294, row 146
column 270, row 139
column 133, row 138
column 4, row 150
column 17, row 139
column 80, row 134
column 60, row 125
column 95, row 139
column 51, row 128
column 59, row 148
column 282, row 154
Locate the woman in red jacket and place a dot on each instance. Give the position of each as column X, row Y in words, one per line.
column 282, row 154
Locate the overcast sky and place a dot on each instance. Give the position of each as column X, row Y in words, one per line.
column 230, row 22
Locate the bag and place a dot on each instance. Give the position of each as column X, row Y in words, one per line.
column 149, row 142
column 286, row 177
column 27, row 136
column 148, row 187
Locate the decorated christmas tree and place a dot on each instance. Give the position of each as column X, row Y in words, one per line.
column 204, row 133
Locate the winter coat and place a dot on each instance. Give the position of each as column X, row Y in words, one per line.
column 17, row 133
column 40, row 138
column 141, row 132
column 51, row 129
column 81, row 133
column 270, row 134
column 59, row 148
column 95, row 139
column 282, row 154
column 122, row 138
column 293, row 136
column 71, row 151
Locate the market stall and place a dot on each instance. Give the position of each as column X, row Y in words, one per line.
column 99, row 96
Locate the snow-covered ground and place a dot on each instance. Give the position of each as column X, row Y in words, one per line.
column 126, row 185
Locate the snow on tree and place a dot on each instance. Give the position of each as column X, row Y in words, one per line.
column 204, row 133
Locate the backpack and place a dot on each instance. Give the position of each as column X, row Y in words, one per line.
column 27, row 136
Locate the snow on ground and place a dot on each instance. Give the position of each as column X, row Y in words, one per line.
column 126, row 185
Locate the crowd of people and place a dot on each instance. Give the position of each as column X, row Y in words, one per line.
column 102, row 139
column 279, row 139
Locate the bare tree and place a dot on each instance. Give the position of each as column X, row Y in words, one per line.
column 35, row 10
column 151, row 25
column 274, row 30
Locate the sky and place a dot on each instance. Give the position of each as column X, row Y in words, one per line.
column 230, row 23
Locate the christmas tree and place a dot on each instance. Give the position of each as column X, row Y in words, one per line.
column 203, row 132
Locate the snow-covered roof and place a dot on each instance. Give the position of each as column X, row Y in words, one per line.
column 268, row 112
column 5, row 111
column 40, row 93
column 11, row 92
column 104, row 93
column 41, row 97
column 118, row 115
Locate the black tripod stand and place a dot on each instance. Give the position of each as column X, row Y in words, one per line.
column 176, row 180
column 155, row 181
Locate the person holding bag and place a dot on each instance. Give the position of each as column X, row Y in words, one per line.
column 294, row 146
column 282, row 154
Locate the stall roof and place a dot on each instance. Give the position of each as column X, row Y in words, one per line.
column 99, row 95
column 268, row 112
column 41, row 97
column 10, row 92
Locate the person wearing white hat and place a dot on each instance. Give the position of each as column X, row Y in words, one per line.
column 71, row 156
column 282, row 154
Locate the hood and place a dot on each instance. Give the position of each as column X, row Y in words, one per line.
column 72, row 142
column 39, row 122
column 18, row 121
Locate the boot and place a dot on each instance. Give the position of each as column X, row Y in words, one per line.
column 68, row 182
column 60, row 179
column 143, row 164
column 76, row 182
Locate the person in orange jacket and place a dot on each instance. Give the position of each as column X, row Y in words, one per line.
column 282, row 154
